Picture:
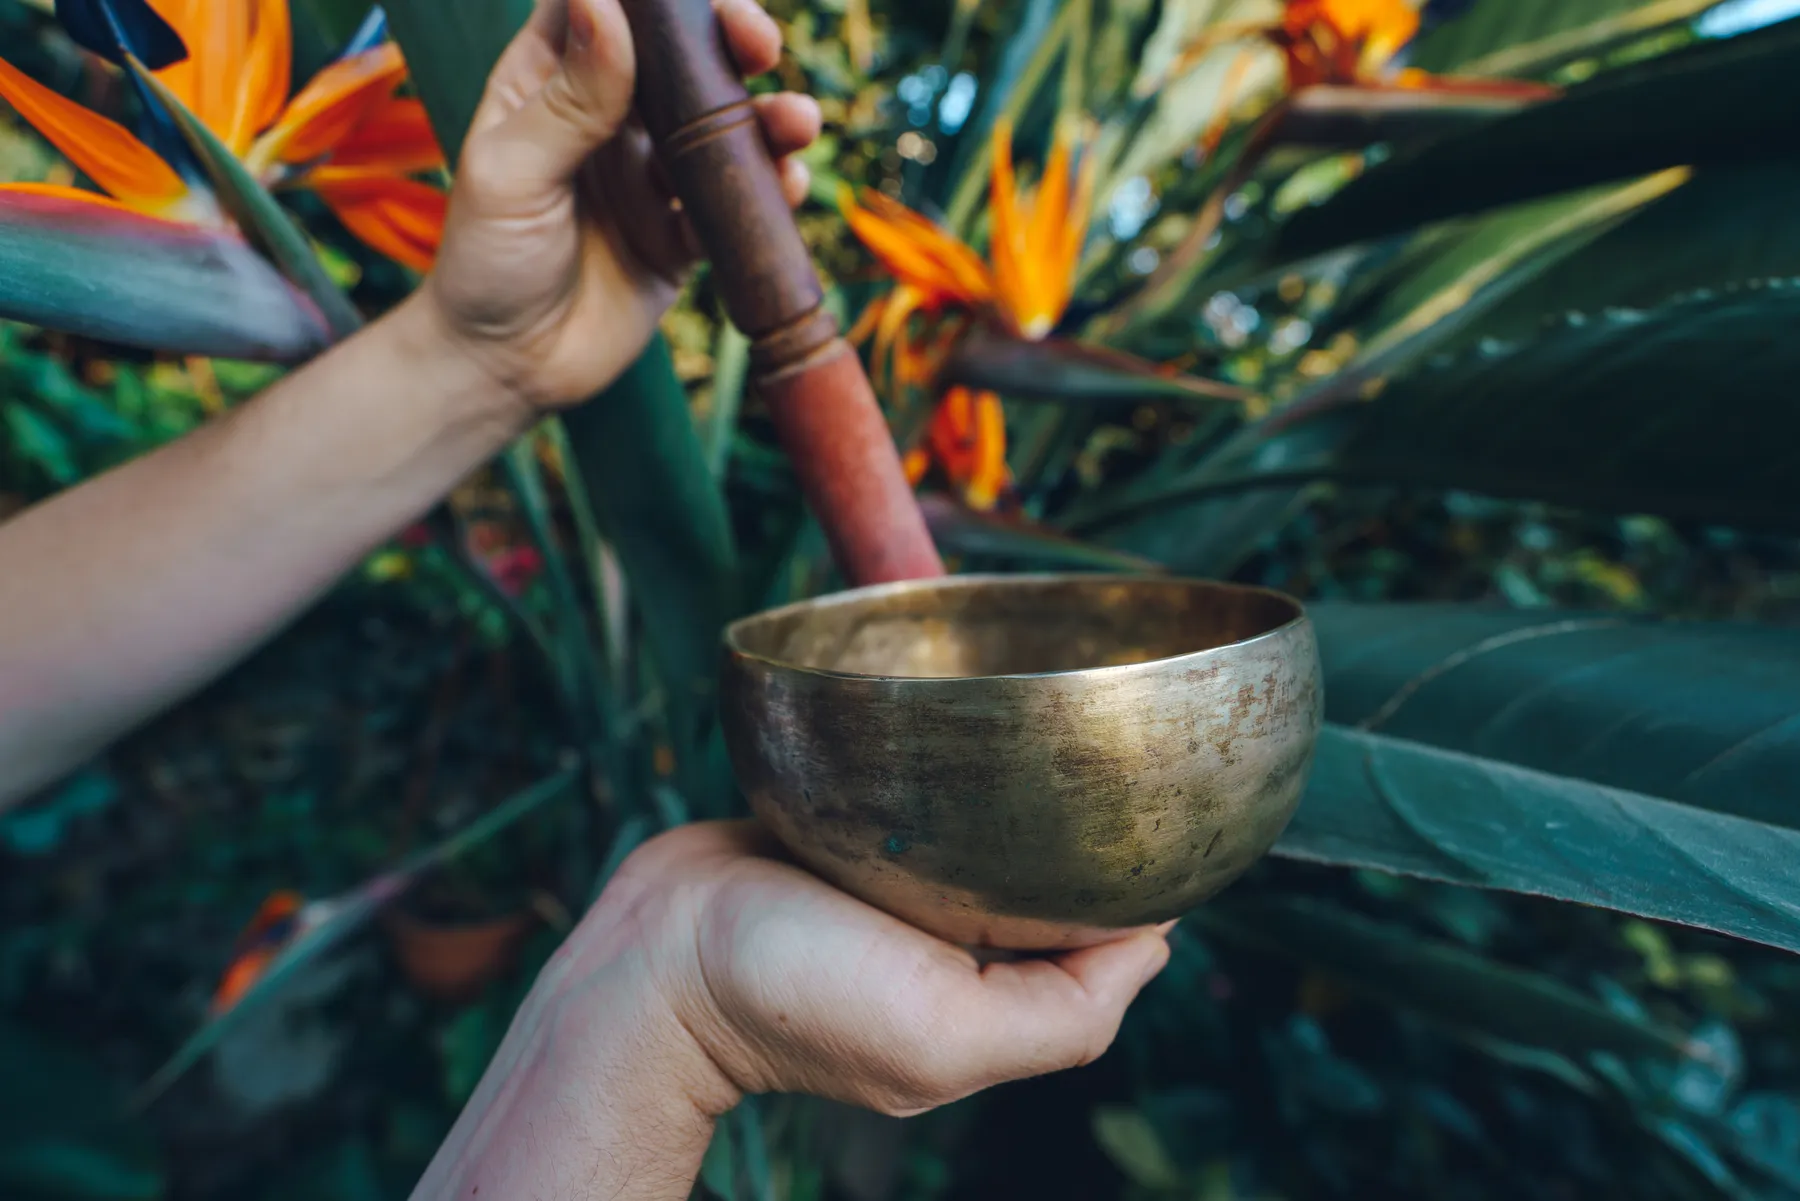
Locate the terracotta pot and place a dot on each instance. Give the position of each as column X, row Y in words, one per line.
column 454, row 962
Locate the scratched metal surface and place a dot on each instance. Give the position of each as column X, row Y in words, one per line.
column 1027, row 762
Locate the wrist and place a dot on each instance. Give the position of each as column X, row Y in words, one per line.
column 595, row 1085
column 632, row 949
column 458, row 375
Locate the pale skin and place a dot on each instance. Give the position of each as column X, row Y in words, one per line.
column 710, row 968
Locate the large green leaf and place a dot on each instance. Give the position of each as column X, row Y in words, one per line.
column 1659, row 410
column 643, row 466
column 1704, row 714
column 1724, row 228
column 1387, row 803
column 1516, row 37
column 65, row 1134
column 256, row 212
column 111, row 274
column 1712, row 103
column 1441, row 980
column 1680, row 411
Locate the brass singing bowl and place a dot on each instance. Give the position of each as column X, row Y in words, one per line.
column 1026, row 762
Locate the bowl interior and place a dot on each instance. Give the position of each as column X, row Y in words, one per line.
column 983, row 626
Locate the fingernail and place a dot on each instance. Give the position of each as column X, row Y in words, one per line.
column 581, row 28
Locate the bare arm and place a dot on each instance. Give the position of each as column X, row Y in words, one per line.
column 123, row 594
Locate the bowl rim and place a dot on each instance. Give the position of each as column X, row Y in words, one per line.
column 1299, row 620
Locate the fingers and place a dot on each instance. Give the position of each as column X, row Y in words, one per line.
column 751, row 35
column 1050, row 1014
column 576, row 107
column 790, row 122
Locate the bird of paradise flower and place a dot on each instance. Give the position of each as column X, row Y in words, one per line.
column 1329, row 43
column 1036, row 238
column 347, row 136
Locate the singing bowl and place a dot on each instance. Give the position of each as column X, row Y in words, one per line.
column 1026, row 762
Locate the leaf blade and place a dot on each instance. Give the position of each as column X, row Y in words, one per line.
column 1706, row 104
column 1073, row 372
column 1391, row 805
column 1397, row 967
column 1703, row 714
column 106, row 273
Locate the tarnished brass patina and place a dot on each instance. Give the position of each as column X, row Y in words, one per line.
column 1026, row 762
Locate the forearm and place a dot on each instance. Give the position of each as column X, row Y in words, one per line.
column 598, row 1091
column 124, row 594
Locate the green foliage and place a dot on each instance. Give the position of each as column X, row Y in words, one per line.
column 66, row 1133
column 1365, row 295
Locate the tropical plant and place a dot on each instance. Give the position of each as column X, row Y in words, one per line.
column 1533, row 249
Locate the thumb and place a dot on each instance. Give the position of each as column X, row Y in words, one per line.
column 559, row 93
column 1046, row 1015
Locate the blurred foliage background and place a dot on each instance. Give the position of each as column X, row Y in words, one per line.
column 1520, row 357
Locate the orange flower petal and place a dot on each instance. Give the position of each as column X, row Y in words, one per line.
column 1037, row 235
column 916, row 463
column 990, row 475
column 265, row 75
column 399, row 217
column 241, row 977
column 868, row 322
column 79, row 195
column 890, row 355
column 110, row 155
column 915, row 251
column 208, row 81
column 1006, row 238
column 183, row 78
column 395, row 135
column 329, row 108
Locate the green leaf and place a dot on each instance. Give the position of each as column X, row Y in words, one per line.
column 346, row 915
column 116, row 276
column 1297, row 126
column 574, row 659
column 1704, row 714
column 65, row 1134
column 731, row 370
column 37, row 440
column 1520, row 37
column 321, row 29
column 1723, row 228
column 256, row 212
column 1663, row 411
column 959, row 530
column 645, row 471
column 1705, row 105
column 1619, row 410
column 451, row 47
column 1440, row 980
column 1130, row 1140
column 1385, row 803
column 1205, row 517
column 1072, row 372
